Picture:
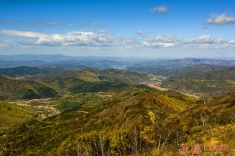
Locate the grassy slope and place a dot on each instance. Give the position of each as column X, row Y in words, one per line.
column 12, row 115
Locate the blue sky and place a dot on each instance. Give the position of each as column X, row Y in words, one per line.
column 123, row 28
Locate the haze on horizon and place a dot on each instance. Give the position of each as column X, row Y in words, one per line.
column 118, row 28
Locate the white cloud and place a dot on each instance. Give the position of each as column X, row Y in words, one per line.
column 232, row 42
column 25, row 34
column 104, row 39
column 164, row 39
column 202, row 42
column 205, row 39
column 159, row 45
column 213, row 46
column 160, row 9
column 221, row 19
column 131, row 43
column 206, row 42
column 140, row 32
column 81, row 38
column 161, row 42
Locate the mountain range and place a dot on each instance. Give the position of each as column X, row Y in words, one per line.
column 138, row 108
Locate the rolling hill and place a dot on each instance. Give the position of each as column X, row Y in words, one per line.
column 134, row 123
column 12, row 89
column 88, row 80
column 199, row 67
column 113, row 121
column 108, row 112
column 20, row 71
column 207, row 84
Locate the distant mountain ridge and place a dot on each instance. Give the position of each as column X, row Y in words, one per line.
column 9, row 61
column 28, row 57
column 192, row 61
column 198, row 67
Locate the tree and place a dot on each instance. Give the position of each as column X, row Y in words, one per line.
column 119, row 142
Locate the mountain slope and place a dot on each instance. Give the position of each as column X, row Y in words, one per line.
column 199, row 67
column 12, row 115
column 20, row 71
column 141, row 123
column 210, row 83
column 13, row 89
column 88, row 80
column 71, row 131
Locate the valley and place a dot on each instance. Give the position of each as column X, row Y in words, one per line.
column 115, row 111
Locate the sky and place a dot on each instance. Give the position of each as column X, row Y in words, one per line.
column 119, row 28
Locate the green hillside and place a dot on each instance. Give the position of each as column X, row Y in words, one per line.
column 13, row 115
column 12, row 89
column 101, row 113
column 134, row 122
column 199, row 67
column 113, row 121
column 20, row 71
column 89, row 80
column 207, row 84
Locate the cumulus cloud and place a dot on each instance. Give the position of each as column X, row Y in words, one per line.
column 78, row 38
column 207, row 42
column 202, row 42
column 232, row 42
column 205, row 39
column 131, row 43
column 221, row 19
column 160, row 9
column 161, row 42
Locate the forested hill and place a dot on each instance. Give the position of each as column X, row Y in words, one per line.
column 207, row 84
column 12, row 89
column 134, row 123
column 20, row 71
column 88, row 80
column 124, row 125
